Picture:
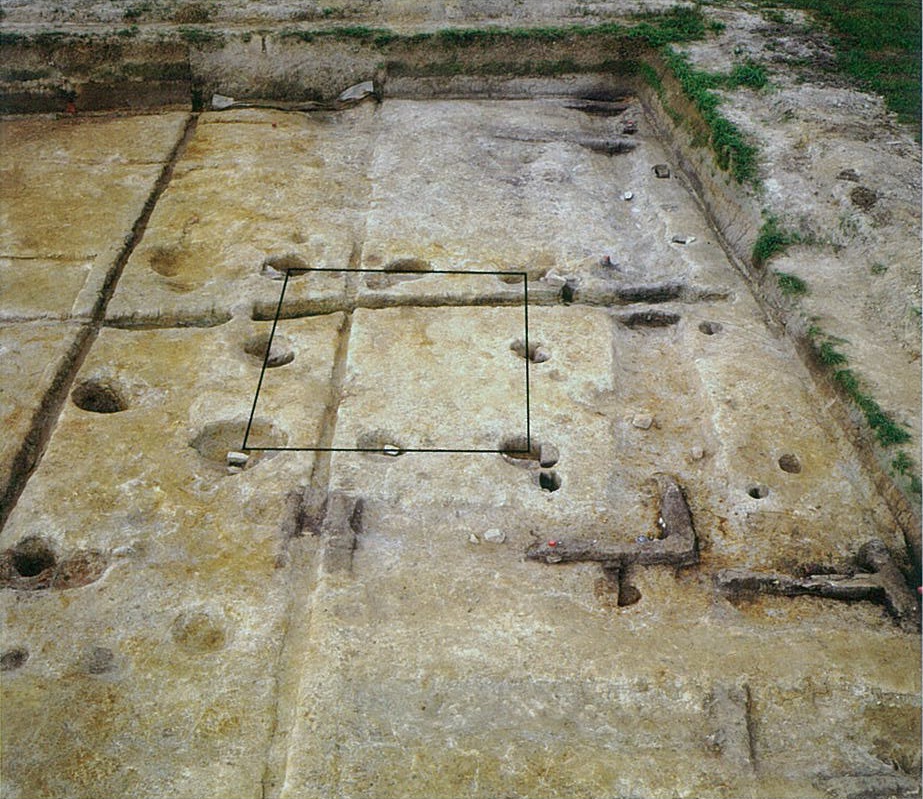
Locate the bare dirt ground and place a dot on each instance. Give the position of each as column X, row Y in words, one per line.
column 693, row 583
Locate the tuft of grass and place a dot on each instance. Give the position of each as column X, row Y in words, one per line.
column 749, row 74
column 829, row 355
column 200, row 36
column 791, row 285
column 733, row 152
column 886, row 429
column 676, row 24
column 774, row 15
column 878, row 268
column 134, row 13
column 902, row 463
column 772, row 240
column 650, row 76
column 354, row 32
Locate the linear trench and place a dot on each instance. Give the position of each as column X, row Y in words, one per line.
column 46, row 416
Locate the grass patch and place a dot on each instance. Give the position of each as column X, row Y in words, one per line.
column 902, row 463
column 774, row 15
column 878, row 44
column 657, row 28
column 733, row 152
column 677, row 24
column 878, row 268
column 200, row 36
column 886, row 429
column 791, row 285
column 829, row 355
column 772, row 240
column 749, row 74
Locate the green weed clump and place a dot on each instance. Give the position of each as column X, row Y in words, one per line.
column 732, row 150
column 791, row 285
column 886, row 429
column 772, row 240
column 902, row 463
column 200, row 36
column 749, row 74
column 829, row 355
column 677, row 24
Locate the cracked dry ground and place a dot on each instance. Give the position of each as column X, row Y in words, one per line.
column 333, row 623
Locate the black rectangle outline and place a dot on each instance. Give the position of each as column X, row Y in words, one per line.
column 421, row 273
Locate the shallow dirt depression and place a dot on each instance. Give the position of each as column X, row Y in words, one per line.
column 593, row 609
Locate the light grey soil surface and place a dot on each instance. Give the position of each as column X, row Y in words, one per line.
column 429, row 447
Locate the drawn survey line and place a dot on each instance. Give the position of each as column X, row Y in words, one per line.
column 259, row 385
column 394, row 450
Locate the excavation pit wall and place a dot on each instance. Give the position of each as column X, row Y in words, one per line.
column 367, row 624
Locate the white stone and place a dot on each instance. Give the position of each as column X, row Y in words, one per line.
column 541, row 355
column 238, row 459
column 552, row 278
column 495, row 536
column 220, row 102
column 643, row 421
column 628, row 195
column 357, row 92
column 697, row 453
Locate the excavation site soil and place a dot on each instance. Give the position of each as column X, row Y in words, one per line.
column 420, row 400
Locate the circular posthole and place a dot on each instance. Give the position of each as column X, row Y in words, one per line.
column 98, row 396
column 628, row 595
column 217, row 439
column 98, row 660
column 710, row 328
column 280, row 353
column 197, row 631
column 13, row 658
column 32, row 556
column 275, row 267
column 516, row 450
column 536, row 351
column 549, row 481
column 165, row 260
column 789, row 463
column 758, row 491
